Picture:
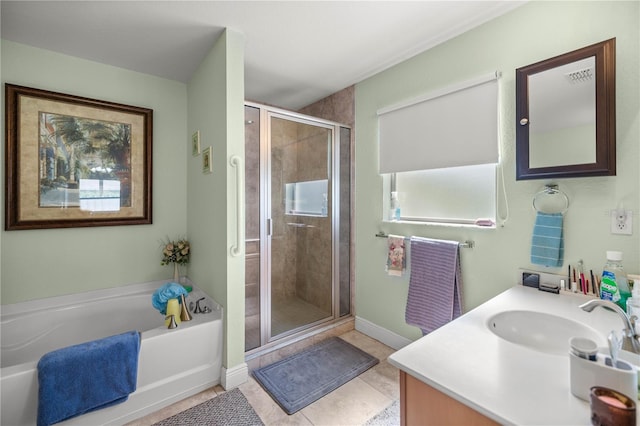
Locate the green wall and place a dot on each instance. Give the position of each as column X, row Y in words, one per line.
column 533, row 32
column 44, row 263
column 51, row 262
column 216, row 109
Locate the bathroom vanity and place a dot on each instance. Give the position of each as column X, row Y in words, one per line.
column 504, row 362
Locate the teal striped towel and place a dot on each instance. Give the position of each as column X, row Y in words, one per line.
column 547, row 246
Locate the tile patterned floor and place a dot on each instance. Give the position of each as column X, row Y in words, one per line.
column 351, row 404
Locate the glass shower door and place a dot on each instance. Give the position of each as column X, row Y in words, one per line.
column 253, row 258
column 300, row 224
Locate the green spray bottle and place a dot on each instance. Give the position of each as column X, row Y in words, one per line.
column 614, row 285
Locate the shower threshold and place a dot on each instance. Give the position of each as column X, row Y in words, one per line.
column 303, row 338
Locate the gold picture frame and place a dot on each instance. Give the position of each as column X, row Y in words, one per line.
column 72, row 161
column 195, row 143
column 207, row 160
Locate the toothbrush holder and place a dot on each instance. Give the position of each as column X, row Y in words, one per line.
column 584, row 374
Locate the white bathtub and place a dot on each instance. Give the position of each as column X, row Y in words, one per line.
column 173, row 364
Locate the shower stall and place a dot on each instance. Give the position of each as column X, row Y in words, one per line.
column 297, row 192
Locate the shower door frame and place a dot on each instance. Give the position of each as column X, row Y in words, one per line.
column 266, row 113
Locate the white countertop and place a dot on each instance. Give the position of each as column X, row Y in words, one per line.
column 507, row 382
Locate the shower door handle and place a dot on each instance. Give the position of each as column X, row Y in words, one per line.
column 269, row 227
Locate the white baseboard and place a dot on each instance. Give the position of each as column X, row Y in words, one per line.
column 383, row 335
column 235, row 376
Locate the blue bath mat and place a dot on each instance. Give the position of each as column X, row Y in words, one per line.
column 307, row 376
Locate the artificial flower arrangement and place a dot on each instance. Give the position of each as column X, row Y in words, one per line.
column 176, row 252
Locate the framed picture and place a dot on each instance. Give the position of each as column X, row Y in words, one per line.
column 207, row 160
column 75, row 162
column 195, row 143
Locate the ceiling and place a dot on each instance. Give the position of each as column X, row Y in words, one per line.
column 296, row 52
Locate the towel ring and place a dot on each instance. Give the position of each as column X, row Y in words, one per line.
column 551, row 189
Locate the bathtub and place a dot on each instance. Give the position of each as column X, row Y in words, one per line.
column 172, row 365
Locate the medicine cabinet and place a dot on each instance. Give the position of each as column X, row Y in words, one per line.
column 565, row 115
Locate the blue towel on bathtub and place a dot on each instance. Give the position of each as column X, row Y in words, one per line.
column 85, row 377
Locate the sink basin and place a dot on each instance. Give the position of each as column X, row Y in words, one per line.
column 540, row 331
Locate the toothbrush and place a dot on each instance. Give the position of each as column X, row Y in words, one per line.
column 615, row 344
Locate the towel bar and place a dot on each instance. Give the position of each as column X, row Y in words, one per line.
column 466, row 244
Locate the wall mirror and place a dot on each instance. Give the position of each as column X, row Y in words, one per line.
column 565, row 115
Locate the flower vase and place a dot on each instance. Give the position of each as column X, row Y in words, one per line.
column 176, row 273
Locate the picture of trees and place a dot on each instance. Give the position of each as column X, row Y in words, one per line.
column 83, row 160
column 73, row 161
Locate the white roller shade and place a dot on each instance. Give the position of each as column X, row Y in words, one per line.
column 454, row 126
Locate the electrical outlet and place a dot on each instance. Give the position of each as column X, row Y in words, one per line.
column 621, row 221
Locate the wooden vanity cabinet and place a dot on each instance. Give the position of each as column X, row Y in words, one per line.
column 422, row 405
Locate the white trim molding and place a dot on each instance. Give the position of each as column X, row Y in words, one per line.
column 234, row 376
column 383, row 335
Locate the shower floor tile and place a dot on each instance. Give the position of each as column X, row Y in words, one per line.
column 291, row 313
column 286, row 315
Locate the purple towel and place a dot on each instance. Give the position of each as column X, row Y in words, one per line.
column 435, row 284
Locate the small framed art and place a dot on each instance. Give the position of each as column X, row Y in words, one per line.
column 195, row 143
column 207, row 160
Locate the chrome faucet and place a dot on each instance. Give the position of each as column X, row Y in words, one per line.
column 199, row 310
column 631, row 341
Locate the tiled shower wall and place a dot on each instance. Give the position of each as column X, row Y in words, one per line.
column 340, row 107
column 309, row 156
column 284, row 154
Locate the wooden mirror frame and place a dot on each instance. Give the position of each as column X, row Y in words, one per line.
column 605, row 65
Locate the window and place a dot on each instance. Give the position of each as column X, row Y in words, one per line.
column 99, row 195
column 438, row 154
column 460, row 195
column 306, row 198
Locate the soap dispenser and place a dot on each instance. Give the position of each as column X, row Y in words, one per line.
column 394, row 212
